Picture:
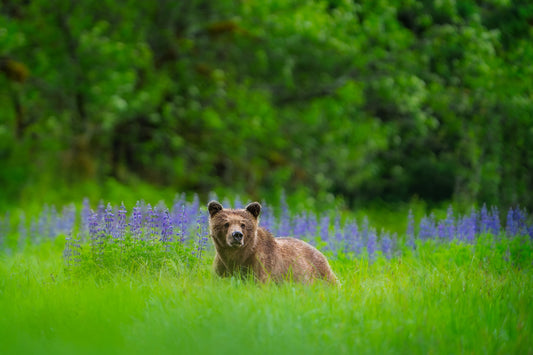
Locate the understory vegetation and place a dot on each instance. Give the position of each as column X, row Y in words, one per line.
column 135, row 280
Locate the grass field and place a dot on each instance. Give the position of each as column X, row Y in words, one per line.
column 441, row 298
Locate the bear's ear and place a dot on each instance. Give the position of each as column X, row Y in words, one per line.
column 254, row 208
column 214, row 207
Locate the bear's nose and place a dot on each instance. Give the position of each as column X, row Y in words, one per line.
column 237, row 236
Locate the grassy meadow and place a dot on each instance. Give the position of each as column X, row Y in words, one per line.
column 434, row 297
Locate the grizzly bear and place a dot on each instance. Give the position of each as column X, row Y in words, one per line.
column 243, row 248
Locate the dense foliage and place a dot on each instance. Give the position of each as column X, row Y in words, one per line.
column 364, row 99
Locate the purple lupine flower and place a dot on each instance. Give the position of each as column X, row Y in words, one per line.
column 97, row 234
column 484, row 220
column 300, row 228
column 365, row 229
column 71, row 252
column 180, row 226
column 427, row 228
column 136, row 221
column 371, row 244
column 184, row 224
column 121, row 221
column 465, row 228
column 179, row 200
column 151, row 223
column 433, row 225
column 386, row 245
column 336, row 238
column 99, row 240
column 441, row 230
column 100, row 211
column 470, row 227
column 520, row 217
column 338, row 233
column 461, row 228
column 394, row 243
column 67, row 219
column 109, row 221
column 424, row 230
column 358, row 245
column 311, row 226
column 511, row 227
column 351, row 237
column 324, row 231
column 194, row 207
column 267, row 218
column 474, row 222
column 159, row 211
column 166, row 229
column 494, row 225
column 410, row 230
column 284, row 226
column 67, row 252
column 76, row 248
column 201, row 234
column 475, row 225
column 450, row 224
column 93, row 224
column 58, row 223
column 85, row 216
column 176, row 215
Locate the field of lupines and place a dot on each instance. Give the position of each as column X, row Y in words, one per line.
column 185, row 224
column 110, row 278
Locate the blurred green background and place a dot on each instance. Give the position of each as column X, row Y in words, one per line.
column 367, row 101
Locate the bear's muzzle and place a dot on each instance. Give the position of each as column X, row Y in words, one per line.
column 236, row 239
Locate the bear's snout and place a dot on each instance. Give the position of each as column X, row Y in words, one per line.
column 236, row 238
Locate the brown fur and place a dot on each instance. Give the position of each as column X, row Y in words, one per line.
column 259, row 253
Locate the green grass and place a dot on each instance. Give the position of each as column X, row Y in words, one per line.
column 441, row 299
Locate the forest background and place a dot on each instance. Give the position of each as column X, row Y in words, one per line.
column 362, row 100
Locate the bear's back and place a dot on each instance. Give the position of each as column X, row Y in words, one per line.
column 303, row 261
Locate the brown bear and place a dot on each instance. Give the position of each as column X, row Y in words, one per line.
column 243, row 248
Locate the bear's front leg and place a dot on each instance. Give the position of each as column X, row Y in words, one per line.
column 220, row 268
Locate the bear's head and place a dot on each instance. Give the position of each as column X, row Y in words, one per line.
column 233, row 228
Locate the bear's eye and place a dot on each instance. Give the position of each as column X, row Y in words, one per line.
column 243, row 225
column 226, row 224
